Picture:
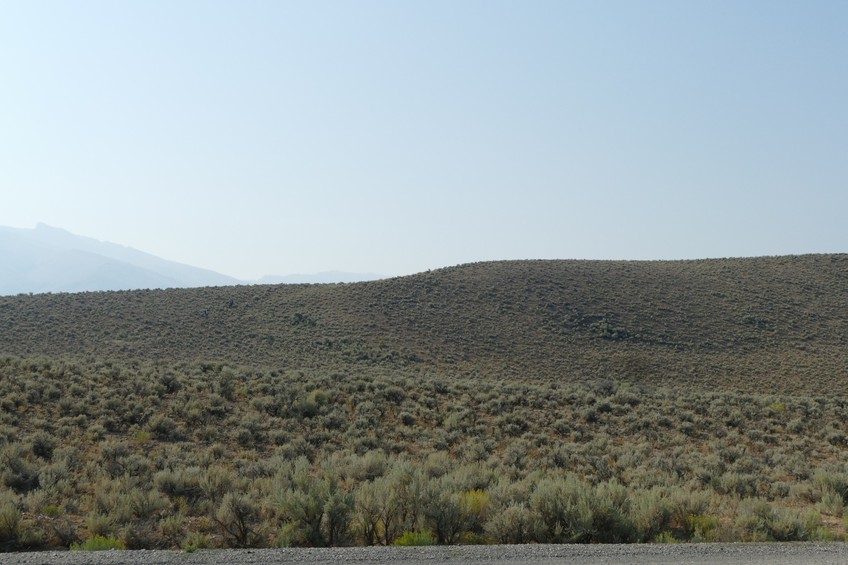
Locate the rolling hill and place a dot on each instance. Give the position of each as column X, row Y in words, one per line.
column 501, row 402
column 771, row 323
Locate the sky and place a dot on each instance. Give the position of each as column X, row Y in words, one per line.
column 392, row 137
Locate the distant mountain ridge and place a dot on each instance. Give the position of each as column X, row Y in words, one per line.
column 49, row 259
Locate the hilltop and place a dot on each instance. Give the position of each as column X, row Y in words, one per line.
column 770, row 323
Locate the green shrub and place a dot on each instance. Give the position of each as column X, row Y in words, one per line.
column 18, row 472
column 99, row 525
column 182, row 482
column 172, row 529
column 196, row 540
column 762, row 522
column 830, row 481
column 237, row 517
column 140, row 535
column 704, row 527
column 683, row 504
column 609, row 507
column 338, row 509
column 425, row 537
column 165, row 428
column 475, row 505
column 564, row 509
column 739, row 484
column 314, row 511
column 793, row 525
column 666, row 537
column 448, row 513
column 145, row 504
column 42, row 445
column 98, row 543
column 10, row 519
column 32, row 536
column 649, row 514
column 832, row 503
column 514, row 524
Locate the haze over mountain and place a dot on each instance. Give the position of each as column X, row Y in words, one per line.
column 49, row 259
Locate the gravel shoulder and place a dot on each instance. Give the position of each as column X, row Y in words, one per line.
column 768, row 553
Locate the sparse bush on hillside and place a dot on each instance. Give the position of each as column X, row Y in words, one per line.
column 762, row 522
column 98, row 543
column 10, row 521
column 237, row 518
column 410, row 539
column 17, row 471
column 515, row 524
column 318, row 458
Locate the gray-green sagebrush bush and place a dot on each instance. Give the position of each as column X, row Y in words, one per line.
column 10, row 520
column 318, row 458
column 238, row 520
column 312, row 510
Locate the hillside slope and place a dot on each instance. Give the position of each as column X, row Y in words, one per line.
column 741, row 323
column 506, row 402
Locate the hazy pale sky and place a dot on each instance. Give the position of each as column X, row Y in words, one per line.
column 393, row 137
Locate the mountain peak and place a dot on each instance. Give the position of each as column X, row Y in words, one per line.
column 51, row 259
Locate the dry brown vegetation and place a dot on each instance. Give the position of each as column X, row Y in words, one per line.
column 516, row 401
